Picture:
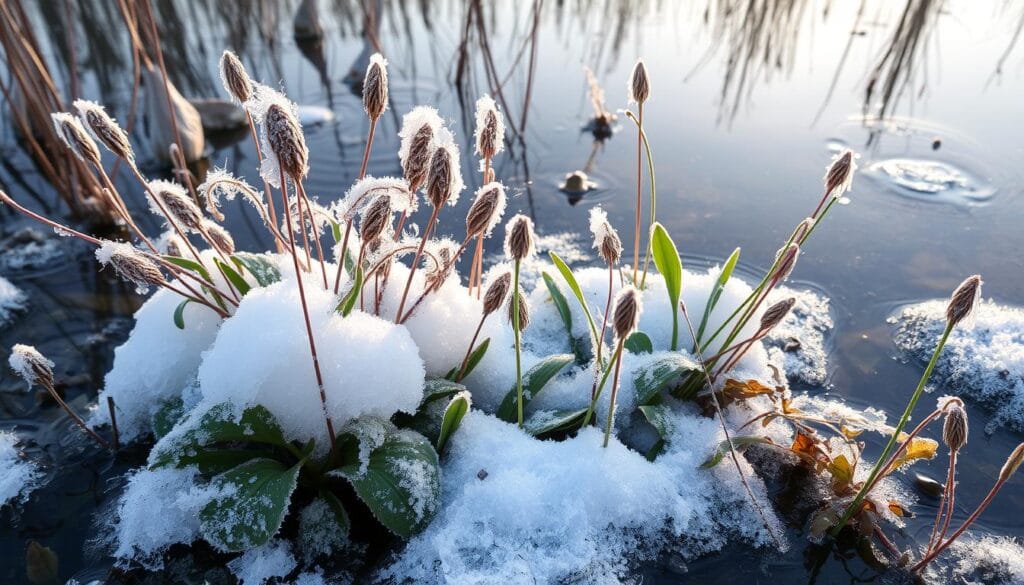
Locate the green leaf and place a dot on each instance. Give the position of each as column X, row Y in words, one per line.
column 349, row 301
column 258, row 494
column 533, row 382
column 652, row 378
column 563, row 308
column 638, row 342
column 218, row 425
column 740, row 441
column 400, row 482
column 666, row 258
column 574, row 286
column 233, row 276
column 547, row 422
column 716, row 292
column 476, row 356
column 189, row 265
column 660, row 417
column 179, row 314
column 170, row 412
column 452, row 418
column 437, row 388
column 260, row 266
column 336, row 231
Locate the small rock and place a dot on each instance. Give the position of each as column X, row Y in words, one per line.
column 936, row 144
column 482, row 474
column 792, row 345
column 928, row 485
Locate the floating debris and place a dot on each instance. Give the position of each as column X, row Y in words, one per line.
column 577, row 183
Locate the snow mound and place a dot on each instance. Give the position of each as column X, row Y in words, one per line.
column 983, row 360
column 988, row 560
column 572, row 511
column 259, row 565
column 156, row 363
column 261, row 356
column 17, row 476
column 798, row 344
column 12, row 302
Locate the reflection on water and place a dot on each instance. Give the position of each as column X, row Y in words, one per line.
column 747, row 97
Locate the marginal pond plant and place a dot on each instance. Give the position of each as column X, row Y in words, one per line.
column 326, row 386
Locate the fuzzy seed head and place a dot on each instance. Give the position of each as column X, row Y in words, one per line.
column 486, row 211
column 284, row 135
column 71, row 132
column 787, row 261
column 626, row 314
column 964, row 299
column 519, row 237
column 639, row 84
column 173, row 245
column 1012, row 463
column 234, row 77
column 219, row 237
column 178, row 205
column 130, row 264
column 439, row 177
column 774, row 314
column 375, row 87
column 105, row 129
column 32, row 366
column 954, row 428
column 839, row 176
column 490, row 128
column 802, row 229
column 606, row 239
column 497, row 290
column 376, row 218
column 419, row 134
column 524, row 310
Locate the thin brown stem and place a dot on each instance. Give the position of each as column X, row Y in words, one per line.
column 970, row 520
column 272, row 213
column 415, row 261
column 304, row 200
column 74, row 416
column 639, row 200
column 369, row 146
column 113, row 423
column 469, row 352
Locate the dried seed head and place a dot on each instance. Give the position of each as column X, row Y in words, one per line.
column 839, row 176
column 234, row 77
column 70, row 131
column 130, row 264
column 776, row 313
column 105, row 129
column 486, row 211
column 284, row 135
column 27, row 362
column 954, row 428
column 420, row 129
column 786, row 259
column 639, row 84
column 444, row 179
column 174, row 245
column 626, row 314
column 375, row 87
column 524, row 310
column 219, row 237
column 496, row 292
column 490, row 128
column 802, row 229
column 964, row 300
column 376, row 218
column 519, row 237
column 177, row 204
column 1012, row 463
column 606, row 239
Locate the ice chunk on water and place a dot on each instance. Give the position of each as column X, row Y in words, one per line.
column 983, row 360
column 18, row 476
column 12, row 302
column 798, row 344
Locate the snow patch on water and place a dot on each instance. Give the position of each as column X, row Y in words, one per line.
column 12, row 302
column 18, row 476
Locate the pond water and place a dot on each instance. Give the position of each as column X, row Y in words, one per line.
column 749, row 102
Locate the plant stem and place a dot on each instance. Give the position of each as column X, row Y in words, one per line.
column 415, row 261
column 863, row 492
column 305, row 308
column 469, row 352
column 518, row 334
column 600, row 388
column 74, row 416
column 607, row 309
column 615, row 391
column 369, row 145
column 113, row 423
column 639, row 201
column 970, row 520
column 945, row 505
column 654, row 194
column 303, row 199
column 266, row 186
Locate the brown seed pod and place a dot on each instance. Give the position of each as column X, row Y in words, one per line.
column 375, row 87
column 774, row 314
column 496, row 292
column 839, row 176
column 234, row 77
column 284, row 135
column 964, row 299
column 71, row 132
column 524, row 310
column 219, row 237
column 787, row 261
column 954, row 428
column 639, row 84
column 105, row 129
column 490, row 128
column 376, row 218
column 626, row 314
column 31, row 365
column 1012, row 463
column 131, row 264
column 519, row 237
column 606, row 239
column 417, row 163
column 182, row 209
column 439, row 177
column 486, row 210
